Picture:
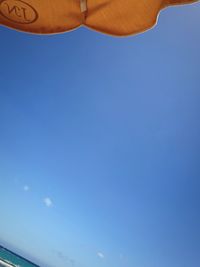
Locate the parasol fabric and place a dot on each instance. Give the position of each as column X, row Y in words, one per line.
column 115, row 17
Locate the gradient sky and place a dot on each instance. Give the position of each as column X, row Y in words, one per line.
column 100, row 147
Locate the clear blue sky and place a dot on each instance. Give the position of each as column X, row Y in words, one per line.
column 100, row 147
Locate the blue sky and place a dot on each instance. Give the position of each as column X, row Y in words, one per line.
column 99, row 145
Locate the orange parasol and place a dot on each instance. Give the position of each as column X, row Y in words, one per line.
column 115, row 17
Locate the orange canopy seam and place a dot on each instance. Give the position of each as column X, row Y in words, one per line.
column 83, row 5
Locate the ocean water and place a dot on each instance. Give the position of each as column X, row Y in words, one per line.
column 13, row 260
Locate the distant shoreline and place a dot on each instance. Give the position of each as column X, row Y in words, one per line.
column 10, row 264
column 5, row 264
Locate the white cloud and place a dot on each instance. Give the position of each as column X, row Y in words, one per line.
column 26, row 188
column 48, row 202
column 100, row 255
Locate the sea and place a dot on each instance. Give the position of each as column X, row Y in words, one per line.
column 10, row 259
